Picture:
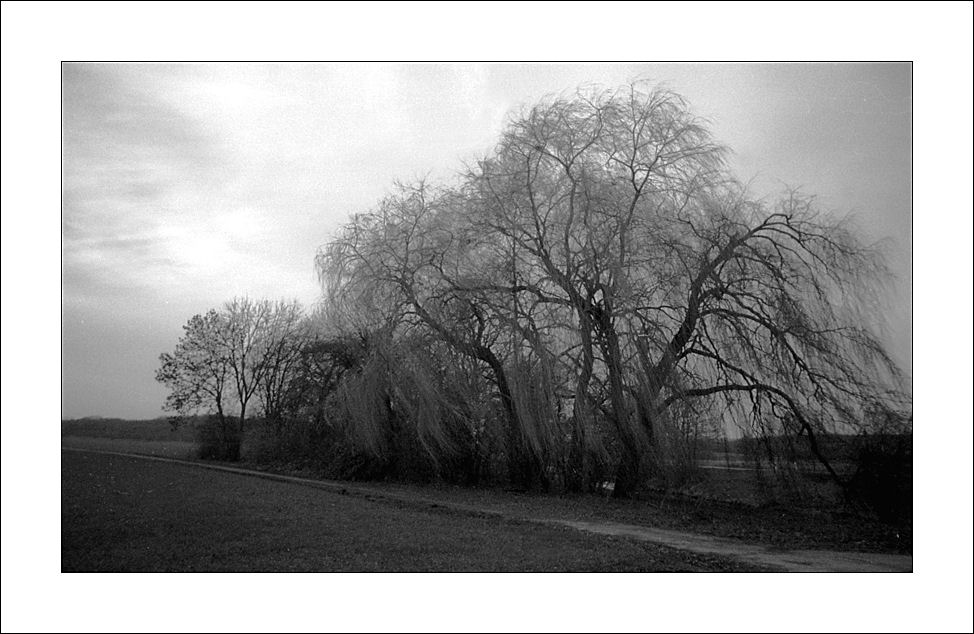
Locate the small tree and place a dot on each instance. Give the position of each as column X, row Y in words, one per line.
column 197, row 374
column 243, row 342
column 224, row 358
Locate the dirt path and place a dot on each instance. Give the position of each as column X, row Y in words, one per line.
column 784, row 560
column 788, row 560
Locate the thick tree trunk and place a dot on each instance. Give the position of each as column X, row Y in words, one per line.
column 229, row 438
column 629, row 472
column 577, row 476
column 644, row 410
column 235, row 437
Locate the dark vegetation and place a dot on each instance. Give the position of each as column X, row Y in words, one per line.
column 597, row 303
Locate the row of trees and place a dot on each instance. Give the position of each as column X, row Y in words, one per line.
column 579, row 306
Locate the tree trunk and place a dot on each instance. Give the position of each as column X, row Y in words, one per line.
column 235, row 438
column 521, row 464
column 629, row 473
column 644, row 410
column 577, row 476
column 392, row 463
column 519, row 467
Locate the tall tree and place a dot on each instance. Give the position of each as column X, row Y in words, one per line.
column 605, row 236
column 579, row 186
column 287, row 335
column 244, row 341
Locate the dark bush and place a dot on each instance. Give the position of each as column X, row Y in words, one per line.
column 883, row 481
column 218, row 438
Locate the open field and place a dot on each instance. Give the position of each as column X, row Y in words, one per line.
column 124, row 514
column 154, row 437
column 167, row 448
column 776, row 525
column 156, row 429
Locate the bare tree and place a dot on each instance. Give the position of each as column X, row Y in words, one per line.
column 284, row 341
column 778, row 323
column 413, row 252
column 226, row 357
column 243, row 341
column 195, row 372
column 604, row 244
column 578, row 186
column 685, row 286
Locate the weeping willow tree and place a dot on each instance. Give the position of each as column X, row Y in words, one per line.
column 411, row 409
column 778, row 325
column 402, row 266
column 608, row 274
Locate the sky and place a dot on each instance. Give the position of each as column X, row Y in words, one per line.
column 185, row 185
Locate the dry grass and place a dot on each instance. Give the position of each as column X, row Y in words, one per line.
column 125, row 514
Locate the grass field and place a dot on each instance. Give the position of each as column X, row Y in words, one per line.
column 156, row 429
column 181, row 449
column 154, row 437
column 775, row 525
column 125, row 514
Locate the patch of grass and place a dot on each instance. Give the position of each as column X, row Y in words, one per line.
column 155, row 429
column 125, row 514
column 773, row 525
column 181, row 449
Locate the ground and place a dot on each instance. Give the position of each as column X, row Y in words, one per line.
column 750, row 533
column 129, row 514
column 776, row 525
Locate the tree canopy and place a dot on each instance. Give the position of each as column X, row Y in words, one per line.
column 609, row 275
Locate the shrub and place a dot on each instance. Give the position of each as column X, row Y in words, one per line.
column 883, row 480
column 218, row 438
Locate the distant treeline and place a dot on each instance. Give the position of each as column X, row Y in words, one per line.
column 835, row 447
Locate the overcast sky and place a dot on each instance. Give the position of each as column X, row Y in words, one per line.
column 186, row 185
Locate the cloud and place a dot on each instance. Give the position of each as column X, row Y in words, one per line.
column 159, row 200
